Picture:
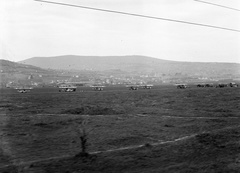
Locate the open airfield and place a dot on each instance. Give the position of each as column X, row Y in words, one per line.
column 164, row 129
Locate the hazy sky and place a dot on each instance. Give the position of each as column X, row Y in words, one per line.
column 29, row 28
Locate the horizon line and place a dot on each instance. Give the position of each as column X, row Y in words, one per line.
column 19, row 61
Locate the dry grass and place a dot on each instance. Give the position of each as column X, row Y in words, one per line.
column 39, row 125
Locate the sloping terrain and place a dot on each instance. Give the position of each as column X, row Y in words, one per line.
column 135, row 63
column 13, row 67
column 16, row 73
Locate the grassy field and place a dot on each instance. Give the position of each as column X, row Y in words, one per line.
column 167, row 130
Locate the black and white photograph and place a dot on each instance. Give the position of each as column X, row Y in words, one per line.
column 119, row 86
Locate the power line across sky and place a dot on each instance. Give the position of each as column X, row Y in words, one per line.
column 139, row 15
column 218, row 5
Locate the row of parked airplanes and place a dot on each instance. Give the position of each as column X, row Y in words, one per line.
column 222, row 85
column 72, row 88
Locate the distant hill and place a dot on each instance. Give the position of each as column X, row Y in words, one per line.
column 97, row 63
column 136, row 63
column 13, row 67
column 16, row 73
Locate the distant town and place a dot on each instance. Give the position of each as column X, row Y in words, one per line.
column 114, row 73
column 111, row 78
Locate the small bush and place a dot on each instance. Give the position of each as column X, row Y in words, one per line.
column 148, row 145
column 83, row 134
column 167, row 125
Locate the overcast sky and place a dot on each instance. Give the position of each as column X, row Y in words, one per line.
column 29, row 28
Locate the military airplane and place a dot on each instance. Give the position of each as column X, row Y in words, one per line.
column 133, row 87
column 181, row 86
column 233, row 84
column 67, row 88
column 205, row 85
column 97, row 87
column 23, row 89
column 146, row 86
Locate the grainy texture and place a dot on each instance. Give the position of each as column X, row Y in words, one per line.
column 38, row 130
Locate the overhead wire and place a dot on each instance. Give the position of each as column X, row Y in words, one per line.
column 217, row 5
column 138, row 15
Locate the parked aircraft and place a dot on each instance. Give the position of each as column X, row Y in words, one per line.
column 205, row 85
column 201, row 85
column 67, row 88
column 146, row 86
column 209, row 85
column 23, row 89
column 233, row 84
column 181, row 86
column 97, row 88
column 132, row 87
column 221, row 85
